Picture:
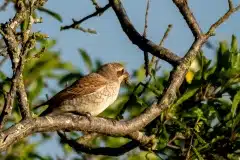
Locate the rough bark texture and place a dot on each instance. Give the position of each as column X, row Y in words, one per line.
column 128, row 128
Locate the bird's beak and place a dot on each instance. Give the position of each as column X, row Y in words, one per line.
column 126, row 78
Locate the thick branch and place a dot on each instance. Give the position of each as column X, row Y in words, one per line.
column 100, row 125
column 82, row 144
column 137, row 39
column 28, row 44
column 78, row 147
column 189, row 17
column 46, row 124
column 15, row 53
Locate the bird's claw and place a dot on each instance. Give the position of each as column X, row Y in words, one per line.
column 85, row 114
column 114, row 121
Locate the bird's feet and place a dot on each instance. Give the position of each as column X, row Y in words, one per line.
column 114, row 121
column 85, row 114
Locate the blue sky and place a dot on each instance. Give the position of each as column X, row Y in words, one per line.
column 111, row 44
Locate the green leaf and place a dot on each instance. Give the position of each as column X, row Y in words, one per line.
column 197, row 154
column 235, row 103
column 67, row 149
column 234, row 44
column 223, row 47
column 140, row 74
column 24, row 24
column 188, row 94
column 36, row 89
column 200, row 139
column 163, row 139
column 2, row 75
column 98, row 64
column 47, row 43
column 87, row 60
column 216, row 139
column 236, row 121
column 51, row 13
column 69, row 78
column 198, row 126
column 225, row 103
column 235, row 61
column 66, row 66
column 209, row 72
column 223, row 56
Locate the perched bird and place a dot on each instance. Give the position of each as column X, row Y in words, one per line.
column 91, row 94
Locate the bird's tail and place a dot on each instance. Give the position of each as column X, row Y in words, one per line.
column 40, row 105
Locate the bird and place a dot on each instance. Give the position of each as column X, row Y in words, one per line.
column 91, row 94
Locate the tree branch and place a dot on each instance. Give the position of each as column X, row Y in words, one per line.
column 189, row 17
column 76, row 24
column 16, row 53
column 222, row 19
column 28, row 43
column 4, row 5
column 82, row 145
column 143, row 43
column 99, row 125
column 78, row 147
column 73, row 122
column 146, row 58
column 7, row 31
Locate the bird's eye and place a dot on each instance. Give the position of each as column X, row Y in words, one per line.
column 120, row 72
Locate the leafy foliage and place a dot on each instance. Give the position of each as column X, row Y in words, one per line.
column 203, row 123
column 37, row 72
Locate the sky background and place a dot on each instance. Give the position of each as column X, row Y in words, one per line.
column 111, row 44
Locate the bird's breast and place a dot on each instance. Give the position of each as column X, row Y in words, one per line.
column 93, row 103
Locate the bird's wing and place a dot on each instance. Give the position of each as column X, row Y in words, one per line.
column 83, row 86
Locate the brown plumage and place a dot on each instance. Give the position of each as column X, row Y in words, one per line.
column 92, row 93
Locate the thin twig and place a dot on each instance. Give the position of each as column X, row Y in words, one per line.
column 97, row 6
column 4, row 5
column 80, row 147
column 230, row 4
column 82, row 144
column 166, row 33
column 75, row 24
column 16, row 54
column 222, row 19
column 3, row 52
column 146, row 58
column 88, row 30
column 3, row 60
column 8, row 105
column 120, row 128
column 28, row 43
column 189, row 149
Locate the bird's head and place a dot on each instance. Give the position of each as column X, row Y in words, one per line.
column 114, row 71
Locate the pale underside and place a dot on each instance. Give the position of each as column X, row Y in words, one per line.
column 86, row 95
column 94, row 103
